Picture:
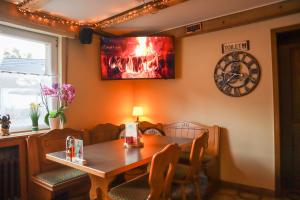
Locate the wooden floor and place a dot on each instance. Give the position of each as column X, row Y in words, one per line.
column 233, row 194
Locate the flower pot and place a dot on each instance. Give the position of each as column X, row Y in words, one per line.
column 5, row 131
column 54, row 123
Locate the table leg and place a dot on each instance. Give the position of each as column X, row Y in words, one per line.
column 99, row 187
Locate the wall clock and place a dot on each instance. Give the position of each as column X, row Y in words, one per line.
column 237, row 74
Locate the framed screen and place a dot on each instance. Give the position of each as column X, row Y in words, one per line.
column 137, row 58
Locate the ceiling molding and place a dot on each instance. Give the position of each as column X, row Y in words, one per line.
column 240, row 18
column 33, row 8
column 139, row 11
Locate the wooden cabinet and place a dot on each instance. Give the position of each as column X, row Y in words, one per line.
column 16, row 183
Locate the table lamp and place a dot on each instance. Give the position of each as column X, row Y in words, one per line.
column 137, row 111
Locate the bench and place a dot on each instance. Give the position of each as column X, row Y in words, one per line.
column 49, row 180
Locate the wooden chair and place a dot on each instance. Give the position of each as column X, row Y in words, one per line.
column 103, row 133
column 144, row 128
column 189, row 173
column 156, row 185
column 49, row 180
column 211, row 159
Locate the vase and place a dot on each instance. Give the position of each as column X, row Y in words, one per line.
column 5, row 131
column 54, row 123
column 35, row 125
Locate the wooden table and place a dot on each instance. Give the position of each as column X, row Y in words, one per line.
column 108, row 159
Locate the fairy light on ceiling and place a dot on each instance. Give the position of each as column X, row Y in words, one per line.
column 50, row 19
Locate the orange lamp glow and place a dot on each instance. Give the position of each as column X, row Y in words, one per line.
column 137, row 111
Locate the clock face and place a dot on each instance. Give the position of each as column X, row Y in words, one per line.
column 237, row 74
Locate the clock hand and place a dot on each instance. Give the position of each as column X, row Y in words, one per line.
column 229, row 79
column 231, row 73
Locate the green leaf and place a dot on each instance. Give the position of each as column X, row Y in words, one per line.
column 63, row 117
column 53, row 114
column 46, row 119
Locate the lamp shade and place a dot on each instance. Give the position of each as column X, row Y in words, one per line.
column 137, row 111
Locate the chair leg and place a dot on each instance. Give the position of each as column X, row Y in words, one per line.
column 197, row 190
column 183, row 194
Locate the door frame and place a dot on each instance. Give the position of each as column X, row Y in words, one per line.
column 276, row 99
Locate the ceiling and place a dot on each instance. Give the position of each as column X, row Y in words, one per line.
column 181, row 14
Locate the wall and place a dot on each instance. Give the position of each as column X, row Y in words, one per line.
column 247, row 148
column 96, row 101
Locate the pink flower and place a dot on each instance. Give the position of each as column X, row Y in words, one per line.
column 68, row 93
column 47, row 91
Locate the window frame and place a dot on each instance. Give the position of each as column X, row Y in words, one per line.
column 53, row 69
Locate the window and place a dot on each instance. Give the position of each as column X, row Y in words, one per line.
column 27, row 60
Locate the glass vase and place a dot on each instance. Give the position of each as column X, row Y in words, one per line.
column 35, row 125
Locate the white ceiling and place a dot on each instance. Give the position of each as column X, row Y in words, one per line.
column 178, row 15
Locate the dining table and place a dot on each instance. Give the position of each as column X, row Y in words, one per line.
column 106, row 160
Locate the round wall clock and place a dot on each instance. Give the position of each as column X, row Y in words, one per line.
column 237, row 74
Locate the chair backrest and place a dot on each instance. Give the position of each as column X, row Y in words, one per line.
column 144, row 125
column 39, row 145
column 162, row 172
column 145, row 128
column 197, row 152
column 103, row 133
column 193, row 130
column 153, row 131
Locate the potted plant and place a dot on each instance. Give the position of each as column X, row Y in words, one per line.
column 5, row 124
column 34, row 116
column 61, row 97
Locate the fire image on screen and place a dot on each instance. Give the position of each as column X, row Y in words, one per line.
column 137, row 58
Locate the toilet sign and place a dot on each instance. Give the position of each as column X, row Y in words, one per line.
column 235, row 46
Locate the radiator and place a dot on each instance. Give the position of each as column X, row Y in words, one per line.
column 9, row 173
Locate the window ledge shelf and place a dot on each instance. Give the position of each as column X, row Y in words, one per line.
column 22, row 134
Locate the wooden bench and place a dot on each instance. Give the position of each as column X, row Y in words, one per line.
column 49, row 180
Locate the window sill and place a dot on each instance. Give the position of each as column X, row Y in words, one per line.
column 23, row 134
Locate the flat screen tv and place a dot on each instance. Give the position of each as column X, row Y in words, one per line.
column 137, row 58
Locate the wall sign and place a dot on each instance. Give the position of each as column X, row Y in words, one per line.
column 237, row 74
column 236, row 46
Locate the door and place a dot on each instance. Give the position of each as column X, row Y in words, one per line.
column 289, row 91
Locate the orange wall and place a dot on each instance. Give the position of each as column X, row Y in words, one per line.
column 96, row 101
column 247, row 148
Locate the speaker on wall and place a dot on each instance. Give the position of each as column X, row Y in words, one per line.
column 86, row 35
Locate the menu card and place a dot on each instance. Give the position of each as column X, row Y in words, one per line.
column 74, row 150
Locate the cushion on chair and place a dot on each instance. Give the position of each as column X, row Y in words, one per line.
column 60, row 175
column 136, row 189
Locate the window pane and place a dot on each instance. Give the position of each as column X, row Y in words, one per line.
column 24, row 65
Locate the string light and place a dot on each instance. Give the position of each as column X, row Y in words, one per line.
column 49, row 19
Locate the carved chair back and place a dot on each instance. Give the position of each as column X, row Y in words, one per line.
column 103, row 133
column 194, row 130
column 145, row 128
column 39, row 145
column 162, row 172
column 197, row 153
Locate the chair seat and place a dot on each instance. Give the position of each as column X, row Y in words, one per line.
column 136, row 189
column 61, row 175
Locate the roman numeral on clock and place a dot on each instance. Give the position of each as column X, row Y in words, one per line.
column 254, row 71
